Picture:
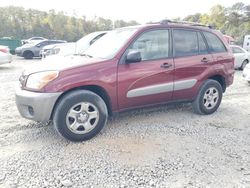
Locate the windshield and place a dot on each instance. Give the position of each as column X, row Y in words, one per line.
column 84, row 43
column 109, row 45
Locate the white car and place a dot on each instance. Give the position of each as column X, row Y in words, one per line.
column 242, row 57
column 77, row 47
column 5, row 58
column 246, row 73
column 64, row 49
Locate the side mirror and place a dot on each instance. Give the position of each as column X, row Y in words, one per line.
column 38, row 45
column 133, row 57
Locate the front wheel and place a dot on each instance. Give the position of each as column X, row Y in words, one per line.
column 80, row 115
column 28, row 55
column 209, row 98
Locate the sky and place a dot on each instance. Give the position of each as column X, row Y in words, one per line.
column 140, row 10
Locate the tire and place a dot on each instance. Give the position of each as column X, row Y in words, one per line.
column 243, row 65
column 80, row 115
column 209, row 98
column 28, row 55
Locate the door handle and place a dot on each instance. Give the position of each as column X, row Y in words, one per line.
column 166, row 65
column 204, row 60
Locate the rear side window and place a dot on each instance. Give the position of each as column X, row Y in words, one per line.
column 185, row 43
column 214, row 43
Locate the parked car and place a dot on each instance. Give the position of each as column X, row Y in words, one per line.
column 63, row 49
column 246, row 43
column 242, row 57
column 33, row 39
column 128, row 68
column 30, row 50
column 73, row 48
column 246, row 73
column 5, row 56
column 4, row 49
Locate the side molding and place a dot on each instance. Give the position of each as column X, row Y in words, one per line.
column 150, row 90
column 161, row 88
column 184, row 84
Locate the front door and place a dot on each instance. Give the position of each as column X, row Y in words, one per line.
column 150, row 80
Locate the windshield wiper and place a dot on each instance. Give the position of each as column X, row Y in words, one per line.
column 86, row 55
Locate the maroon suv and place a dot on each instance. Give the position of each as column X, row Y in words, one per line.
column 128, row 68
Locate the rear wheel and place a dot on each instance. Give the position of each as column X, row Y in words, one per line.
column 209, row 98
column 80, row 115
column 28, row 55
column 243, row 65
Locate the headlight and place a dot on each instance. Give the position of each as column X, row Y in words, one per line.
column 40, row 79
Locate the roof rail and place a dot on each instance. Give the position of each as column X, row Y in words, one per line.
column 166, row 21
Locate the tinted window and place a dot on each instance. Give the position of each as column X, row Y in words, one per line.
column 202, row 45
column 44, row 43
column 152, row 45
column 214, row 43
column 237, row 50
column 185, row 43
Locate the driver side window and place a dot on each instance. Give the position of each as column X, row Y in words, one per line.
column 152, row 45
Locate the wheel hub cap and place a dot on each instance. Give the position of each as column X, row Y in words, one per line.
column 82, row 117
column 211, row 98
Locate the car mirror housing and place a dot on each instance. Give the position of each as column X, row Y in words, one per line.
column 133, row 57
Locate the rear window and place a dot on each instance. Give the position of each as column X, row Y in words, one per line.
column 214, row 43
column 185, row 43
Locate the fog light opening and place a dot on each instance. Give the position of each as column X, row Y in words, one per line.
column 31, row 111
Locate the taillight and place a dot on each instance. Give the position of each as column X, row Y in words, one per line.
column 4, row 50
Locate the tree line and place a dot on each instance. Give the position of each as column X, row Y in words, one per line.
column 21, row 23
column 233, row 21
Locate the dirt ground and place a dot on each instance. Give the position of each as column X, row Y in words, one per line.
column 164, row 146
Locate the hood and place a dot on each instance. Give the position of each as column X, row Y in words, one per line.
column 60, row 63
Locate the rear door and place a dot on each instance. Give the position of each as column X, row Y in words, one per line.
column 192, row 60
column 149, row 81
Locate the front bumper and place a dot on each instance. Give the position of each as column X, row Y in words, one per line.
column 18, row 52
column 246, row 74
column 35, row 106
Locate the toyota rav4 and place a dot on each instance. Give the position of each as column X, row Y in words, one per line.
column 128, row 68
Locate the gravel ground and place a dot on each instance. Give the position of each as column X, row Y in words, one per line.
column 166, row 146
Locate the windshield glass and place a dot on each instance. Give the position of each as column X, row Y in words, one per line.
column 108, row 46
column 84, row 43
